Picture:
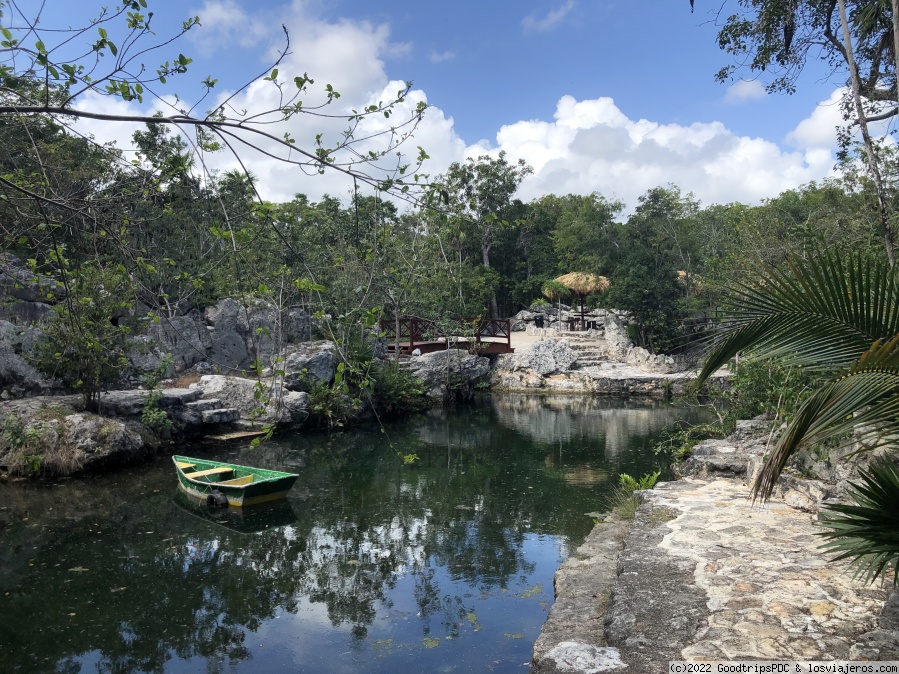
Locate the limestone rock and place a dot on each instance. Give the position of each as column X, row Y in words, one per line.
column 17, row 376
column 543, row 358
column 24, row 312
column 615, row 328
column 275, row 406
column 577, row 658
column 185, row 338
column 307, row 363
column 297, row 325
column 60, row 441
column 449, row 373
column 229, row 350
column 19, row 282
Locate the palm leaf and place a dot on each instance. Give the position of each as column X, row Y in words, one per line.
column 866, row 398
column 820, row 313
column 867, row 532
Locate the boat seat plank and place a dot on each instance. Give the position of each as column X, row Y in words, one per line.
column 184, row 465
column 221, row 470
column 237, row 481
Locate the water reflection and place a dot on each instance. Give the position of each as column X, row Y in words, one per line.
column 370, row 566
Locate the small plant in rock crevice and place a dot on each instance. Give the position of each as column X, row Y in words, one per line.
column 623, row 500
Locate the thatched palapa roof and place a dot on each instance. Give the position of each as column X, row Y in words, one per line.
column 584, row 284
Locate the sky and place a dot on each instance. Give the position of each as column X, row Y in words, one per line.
column 605, row 96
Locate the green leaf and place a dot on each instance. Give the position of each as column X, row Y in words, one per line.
column 112, row 48
column 820, row 313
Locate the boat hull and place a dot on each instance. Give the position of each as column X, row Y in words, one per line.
column 249, row 486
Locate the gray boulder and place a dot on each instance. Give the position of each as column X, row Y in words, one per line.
column 17, row 376
column 23, row 312
column 274, row 404
column 307, row 363
column 185, row 338
column 617, row 340
column 146, row 355
column 60, row 441
column 229, row 346
column 19, row 282
column 543, row 358
column 297, row 325
column 222, row 316
column 450, row 373
column 260, row 324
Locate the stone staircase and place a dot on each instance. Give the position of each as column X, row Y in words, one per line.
column 173, row 401
column 591, row 352
column 212, row 412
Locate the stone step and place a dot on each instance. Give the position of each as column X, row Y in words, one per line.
column 223, row 415
column 205, row 404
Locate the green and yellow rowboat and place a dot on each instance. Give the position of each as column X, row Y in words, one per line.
column 219, row 483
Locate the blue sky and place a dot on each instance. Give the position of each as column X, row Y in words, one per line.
column 598, row 95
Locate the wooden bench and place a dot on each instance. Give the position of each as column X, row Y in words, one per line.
column 238, row 481
column 221, row 470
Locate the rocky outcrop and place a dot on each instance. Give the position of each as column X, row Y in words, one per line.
column 19, row 282
column 544, row 358
column 259, row 403
column 609, row 379
column 227, row 337
column 704, row 574
column 573, row 637
column 449, row 374
column 184, row 338
column 18, row 377
column 49, row 436
column 306, row 364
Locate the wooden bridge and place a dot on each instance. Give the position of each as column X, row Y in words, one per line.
column 477, row 335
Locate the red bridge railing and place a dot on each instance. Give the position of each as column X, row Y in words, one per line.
column 425, row 334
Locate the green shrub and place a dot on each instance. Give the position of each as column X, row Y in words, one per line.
column 83, row 347
column 397, row 389
column 331, row 406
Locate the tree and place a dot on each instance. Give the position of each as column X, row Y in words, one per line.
column 39, row 76
column 831, row 313
column 479, row 193
column 859, row 40
column 652, row 247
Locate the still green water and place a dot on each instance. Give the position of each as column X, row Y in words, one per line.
column 370, row 566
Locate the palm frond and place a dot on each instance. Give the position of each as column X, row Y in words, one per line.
column 819, row 313
column 867, row 398
column 867, row 532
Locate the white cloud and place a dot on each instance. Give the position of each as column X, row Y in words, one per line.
column 743, row 91
column 441, row 56
column 819, row 128
column 224, row 22
column 531, row 23
column 589, row 145
column 592, row 146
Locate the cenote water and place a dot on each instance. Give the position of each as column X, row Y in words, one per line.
column 370, row 565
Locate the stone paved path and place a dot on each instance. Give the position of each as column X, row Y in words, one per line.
column 770, row 593
column 703, row 574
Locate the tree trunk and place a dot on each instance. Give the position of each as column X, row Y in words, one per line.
column 870, row 152
column 485, row 257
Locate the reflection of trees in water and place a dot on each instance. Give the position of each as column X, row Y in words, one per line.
column 193, row 589
column 562, row 419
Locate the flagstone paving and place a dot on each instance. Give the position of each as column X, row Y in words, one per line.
column 704, row 574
